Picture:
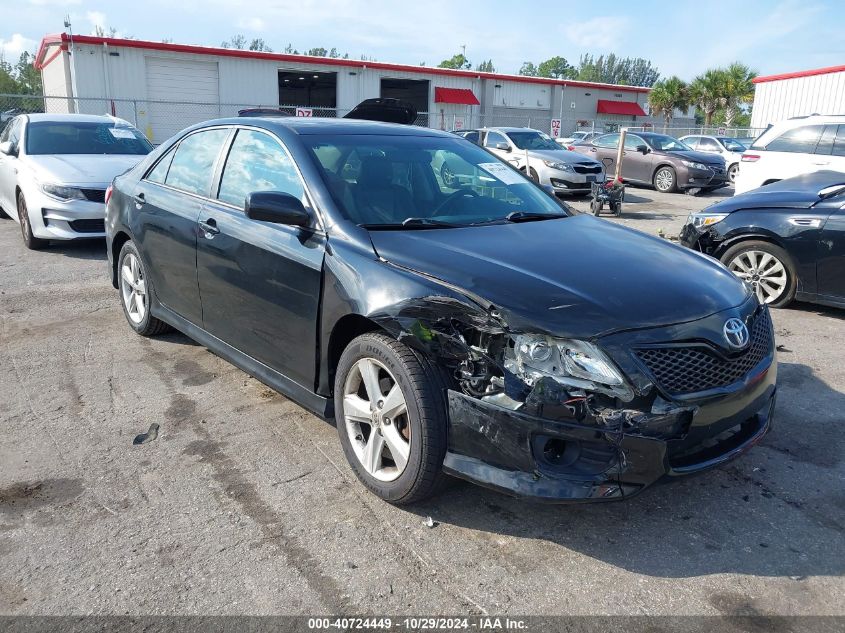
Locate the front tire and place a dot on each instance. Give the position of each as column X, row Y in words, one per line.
column 30, row 241
column 135, row 293
column 391, row 418
column 767, row 267
column 665, row 180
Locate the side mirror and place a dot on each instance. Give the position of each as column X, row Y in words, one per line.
column 8, row 148
column 503, row 146
column 642, row 149
column 276, row 207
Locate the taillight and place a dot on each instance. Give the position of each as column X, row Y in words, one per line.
column 108, row 195
column 571, row 148
column 750, row 158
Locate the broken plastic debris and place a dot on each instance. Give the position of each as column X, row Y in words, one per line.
column 149, row 436
column 429, row 522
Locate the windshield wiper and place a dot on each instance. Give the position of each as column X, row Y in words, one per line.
column 413, row 223
column 532, row 216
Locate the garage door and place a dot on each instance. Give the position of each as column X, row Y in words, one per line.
column 180, row 93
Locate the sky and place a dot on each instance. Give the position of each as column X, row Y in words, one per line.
column 679, row 37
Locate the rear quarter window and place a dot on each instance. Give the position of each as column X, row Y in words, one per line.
column 799, row 140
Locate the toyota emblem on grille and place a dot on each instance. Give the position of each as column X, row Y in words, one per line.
column 736, row 334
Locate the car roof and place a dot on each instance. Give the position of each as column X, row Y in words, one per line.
column 317, row 125
column 79, row 118
column 510, row 129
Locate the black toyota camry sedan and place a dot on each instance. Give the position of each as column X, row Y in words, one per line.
column 477, row 329
column 787, row 239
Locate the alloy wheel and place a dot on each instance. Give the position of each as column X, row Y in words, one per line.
column 376, row 417
column 447, row 176
column 765, row 272
column 732, row 173
column 133, row 289
column 663, row 180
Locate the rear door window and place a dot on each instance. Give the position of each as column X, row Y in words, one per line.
column 192, row 167
column 608, row 141
column 801, row 140
column 708, row 145
column 692, row 141
column 839, row 142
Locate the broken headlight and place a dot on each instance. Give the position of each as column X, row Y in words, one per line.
column 573, row 363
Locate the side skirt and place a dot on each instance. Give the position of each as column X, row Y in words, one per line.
column 316, row 404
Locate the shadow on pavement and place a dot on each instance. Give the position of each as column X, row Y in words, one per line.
column 761, row 515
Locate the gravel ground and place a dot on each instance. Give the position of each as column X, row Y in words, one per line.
column 244, row 503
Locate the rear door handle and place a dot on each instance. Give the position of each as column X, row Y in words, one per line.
column 209, row 227
column 140, row 199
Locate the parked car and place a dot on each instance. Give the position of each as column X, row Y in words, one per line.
column 486, row 333
column 577, row 137
column 796, row 146
column 786, row 239
column 55, row 168
column 730, row 149
column 658, row 160
column 549, row 163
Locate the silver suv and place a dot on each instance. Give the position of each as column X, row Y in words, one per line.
column 547, row 162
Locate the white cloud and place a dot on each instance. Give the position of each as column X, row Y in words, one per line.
column 603, row 32
column 97, row 19
column 12, row 48
column 252, row 24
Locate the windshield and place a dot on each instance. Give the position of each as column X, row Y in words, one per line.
column 423, row 181
column 733, row 145
column 666, row 143
column 533, row 140
column 77, row 137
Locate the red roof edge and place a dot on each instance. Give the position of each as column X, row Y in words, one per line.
column 328, row 61
column 46, row 41
column 800, row 73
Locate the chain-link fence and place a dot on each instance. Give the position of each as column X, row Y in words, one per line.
column 729, row 132
column 160, row 120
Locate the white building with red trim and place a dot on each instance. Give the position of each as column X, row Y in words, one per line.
column 163, row 87
column 779, row 97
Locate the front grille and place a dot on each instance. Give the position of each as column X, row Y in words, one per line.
column 587, row 169
column 689, row 369
column 88, row 226
column 94, row 195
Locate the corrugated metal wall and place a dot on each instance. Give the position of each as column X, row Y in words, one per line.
column 784, row 98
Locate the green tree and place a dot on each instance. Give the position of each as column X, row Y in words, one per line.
column 738, row 90
column 706, row 93
column 258, row 44
column 317, row 52
column 557, row 68
column 528, row 69
column 236, row 41
column 486, row 67
column 666, row 96
column 8, row 84
column 617, row 70
column 27, row 75
column 458, row 61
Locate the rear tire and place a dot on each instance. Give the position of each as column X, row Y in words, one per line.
column 373, row 373
column 30, row 241
column 732, row 170
column 665, row 180
column 136, row 293
column 767, row 267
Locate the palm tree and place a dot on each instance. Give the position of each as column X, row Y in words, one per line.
column 668, row 95
column 707, row 92
column 738, row 89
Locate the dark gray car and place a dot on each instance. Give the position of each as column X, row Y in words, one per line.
column 659, row 160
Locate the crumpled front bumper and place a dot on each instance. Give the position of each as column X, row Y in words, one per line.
column 608, row 456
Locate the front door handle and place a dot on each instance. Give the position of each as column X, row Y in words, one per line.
column 209, row 228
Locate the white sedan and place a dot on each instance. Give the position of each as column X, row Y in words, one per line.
column 55, row 169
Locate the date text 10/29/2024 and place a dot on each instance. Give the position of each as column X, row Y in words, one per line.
column 484, row 623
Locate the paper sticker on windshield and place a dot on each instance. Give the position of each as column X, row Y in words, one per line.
column 121, row 132
column 503, row 173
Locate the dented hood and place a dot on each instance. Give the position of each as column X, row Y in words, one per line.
column 574, row 277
